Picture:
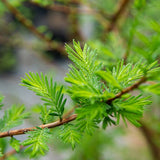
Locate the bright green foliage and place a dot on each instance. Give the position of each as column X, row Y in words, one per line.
column 37, row 140
column 95, row 78
column 89, row 117
column 123, row 76
column 86, row 125
column 15, row 143
column 85, row 83
column 92, row 96
column 92, row 84
column 131, row 109
column 69, row 134
column 109, row 78
column 13, row 117
column 127, row 75
column 46, row 114
column 49, row 93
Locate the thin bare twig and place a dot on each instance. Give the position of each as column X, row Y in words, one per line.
column 49, row 125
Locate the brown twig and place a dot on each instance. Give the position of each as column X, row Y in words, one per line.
column 10, row 153
column 49, row 125
column 28, row 24
column 72, row 117
column 69, row 112
column 149, row 135
column 128, row 89
column 121, row 9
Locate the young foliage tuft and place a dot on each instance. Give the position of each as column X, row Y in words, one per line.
column 46, row 114
column 82, row 74
column 37, row 142
column 13, row 117
column 51, row 94
column 91, row 86
column 131, row 108
column 69, row 134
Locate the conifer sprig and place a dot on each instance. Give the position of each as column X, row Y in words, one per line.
column 37, row 141
column 82, row 74
column 49, row 93
column 108, row 86
column 13, row 117
column 101, row 94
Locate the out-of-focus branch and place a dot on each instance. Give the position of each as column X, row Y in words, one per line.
column 121, row 9
column 149, row 135
column 10, row 153
column 28, row 24
column 68, row 9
